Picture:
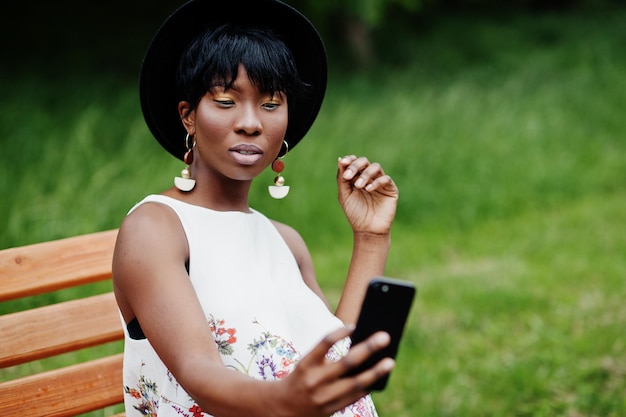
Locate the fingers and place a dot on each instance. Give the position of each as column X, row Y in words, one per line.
column 359, row 353
column 356, row 355
column 346, row 391
column 321, row 385
column 358, row 385
column 318, row 354
column 360, row 173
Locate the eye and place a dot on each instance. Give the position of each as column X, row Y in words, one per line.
column 223, row 102
column 272, row 105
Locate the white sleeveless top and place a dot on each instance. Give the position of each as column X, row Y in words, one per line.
column 263, row 316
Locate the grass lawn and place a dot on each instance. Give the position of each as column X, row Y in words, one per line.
column 507, row 139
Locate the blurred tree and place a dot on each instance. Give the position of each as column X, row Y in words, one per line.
column 354, row 20
column 353, row 24
column 93, row 37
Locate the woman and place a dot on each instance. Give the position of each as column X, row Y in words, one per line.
column 223, row 315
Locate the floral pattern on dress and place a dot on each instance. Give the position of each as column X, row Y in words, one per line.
column 274, row 356
column 224, row 337
column 146, row 394
column 271, row 358
column 148, row 399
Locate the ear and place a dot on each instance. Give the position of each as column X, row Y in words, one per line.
column 187, row 116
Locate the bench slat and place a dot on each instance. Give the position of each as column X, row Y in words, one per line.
column 59, row 328
column 50, row 266
column 65, row 392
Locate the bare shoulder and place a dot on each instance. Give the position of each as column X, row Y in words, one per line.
column 152, row 224
column 150, row 253
column 150, row 239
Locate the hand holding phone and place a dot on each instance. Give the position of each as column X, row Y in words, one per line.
column 386, row 308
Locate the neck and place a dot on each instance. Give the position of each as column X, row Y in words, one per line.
column 229, row 196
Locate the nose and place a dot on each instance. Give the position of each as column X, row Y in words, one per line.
column 248, row 121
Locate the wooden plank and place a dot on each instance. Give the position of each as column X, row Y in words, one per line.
column 66, row 392
column 49, row 266
column 59, row 328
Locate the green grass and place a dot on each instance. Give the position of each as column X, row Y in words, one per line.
column 507, row 139
column 520, row 317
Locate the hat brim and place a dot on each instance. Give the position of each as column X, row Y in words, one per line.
column 157, row 83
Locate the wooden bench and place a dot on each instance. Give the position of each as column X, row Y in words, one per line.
column 68, row 326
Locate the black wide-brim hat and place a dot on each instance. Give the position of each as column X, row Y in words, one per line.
column 157, row 84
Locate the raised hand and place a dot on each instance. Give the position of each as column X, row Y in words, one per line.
column 367, row 195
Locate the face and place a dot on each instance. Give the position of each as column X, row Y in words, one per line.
column 238, row 131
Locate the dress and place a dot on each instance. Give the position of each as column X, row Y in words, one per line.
column 262, row 315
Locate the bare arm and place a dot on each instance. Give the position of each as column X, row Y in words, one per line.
column 370, row 207
column 369, row 199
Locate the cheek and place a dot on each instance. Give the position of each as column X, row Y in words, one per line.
column 277, row 127
column 212, row 127
column 276, row 138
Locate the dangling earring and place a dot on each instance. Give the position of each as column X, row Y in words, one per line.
column 185, row 182
column 279, row 189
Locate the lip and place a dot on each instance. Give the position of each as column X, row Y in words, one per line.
column 246, row 154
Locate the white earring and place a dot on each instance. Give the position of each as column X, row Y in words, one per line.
column 185, row 182
column 279, row 189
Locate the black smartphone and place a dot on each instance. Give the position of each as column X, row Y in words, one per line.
column 386, row 307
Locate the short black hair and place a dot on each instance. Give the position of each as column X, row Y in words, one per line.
column 212, row 59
